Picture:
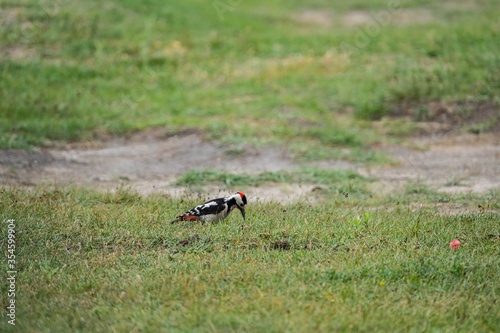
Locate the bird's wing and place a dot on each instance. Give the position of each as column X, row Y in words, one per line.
column 210, row 207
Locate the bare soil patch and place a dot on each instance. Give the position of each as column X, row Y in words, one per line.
column 452, row 164
column 356, row 18
column 151, row 161
column 148, row 162
column 443, row 118
column 147, row 155
column 317, row 17
column 399, row 17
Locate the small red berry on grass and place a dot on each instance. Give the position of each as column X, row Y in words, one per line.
column 454, row 244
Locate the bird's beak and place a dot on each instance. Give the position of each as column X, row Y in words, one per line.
column 242, row 210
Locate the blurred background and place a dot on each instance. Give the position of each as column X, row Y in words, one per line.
column 281, row 91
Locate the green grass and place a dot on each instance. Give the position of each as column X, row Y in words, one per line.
column 205, row 177
column 91, row 261
column 256, row 74
column 335, row 180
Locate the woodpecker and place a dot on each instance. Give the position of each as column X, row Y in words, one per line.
column 215, row 210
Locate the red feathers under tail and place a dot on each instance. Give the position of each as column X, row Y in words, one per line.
column 185, row 218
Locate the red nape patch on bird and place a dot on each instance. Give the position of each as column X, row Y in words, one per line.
column 189, row 218
column 241, row 194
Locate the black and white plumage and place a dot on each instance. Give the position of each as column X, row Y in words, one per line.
column 215, row 210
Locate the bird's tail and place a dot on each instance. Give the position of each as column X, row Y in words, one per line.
column 175, row 220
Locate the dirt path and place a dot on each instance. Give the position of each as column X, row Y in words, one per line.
column 452, row 164
column 147, row 162
column 151, row 162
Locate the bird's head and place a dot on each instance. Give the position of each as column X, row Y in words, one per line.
column 241, row 202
